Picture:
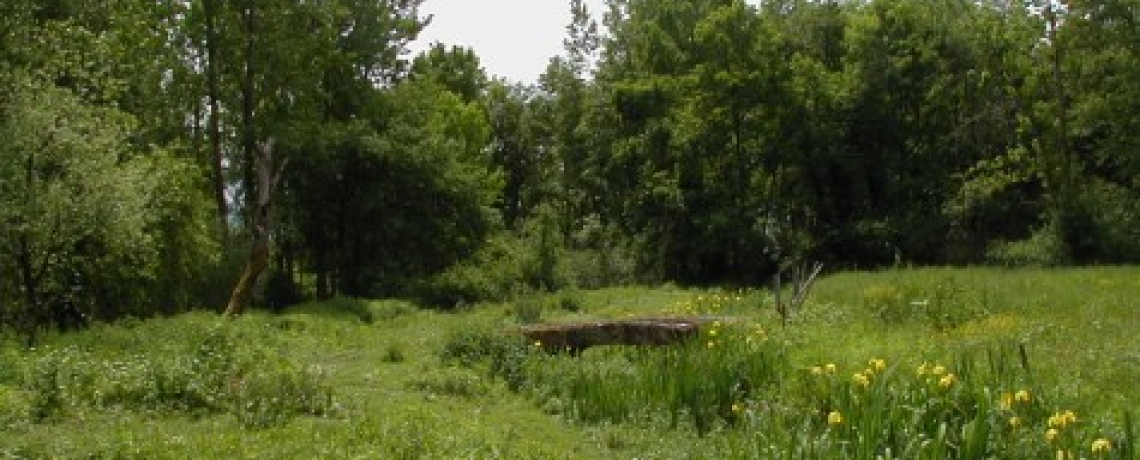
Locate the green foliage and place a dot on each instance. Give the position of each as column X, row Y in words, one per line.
column 361, row 310
column 538, row 260
column 394, row 353
column 529, row 309
column 89, row 225
column 456, row 69
column 698, row 384
column 281, row 290
column 1106, row 227
column 420, row 198
column 452, row 381
column 503, row 354
column 1043, row 248
column 493, row 273
column 942, row 304
column 469, row 347
column 216, row 372
column 1070, row 327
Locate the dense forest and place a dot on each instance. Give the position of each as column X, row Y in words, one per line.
column 150, row 151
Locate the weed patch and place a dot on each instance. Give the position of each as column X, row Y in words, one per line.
column 219, row 374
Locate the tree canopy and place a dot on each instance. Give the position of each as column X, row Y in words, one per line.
column 700, row 142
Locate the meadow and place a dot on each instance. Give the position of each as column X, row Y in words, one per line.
column 922, row 363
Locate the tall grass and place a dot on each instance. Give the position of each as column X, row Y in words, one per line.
column 215, row 369
column 1021, row 352
column 700, row 384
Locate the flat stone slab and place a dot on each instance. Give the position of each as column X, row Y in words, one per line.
column 577, row 336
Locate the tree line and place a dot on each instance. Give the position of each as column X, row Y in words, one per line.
column 699, row 142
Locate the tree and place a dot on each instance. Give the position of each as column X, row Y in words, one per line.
column 1087, row 127
column 456, row 69
column 75, row 208
column 517, row 149
column 402, row 193
column 268, row 176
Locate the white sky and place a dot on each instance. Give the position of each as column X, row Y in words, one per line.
column 514, row 39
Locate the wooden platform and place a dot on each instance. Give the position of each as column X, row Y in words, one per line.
column 575, row 337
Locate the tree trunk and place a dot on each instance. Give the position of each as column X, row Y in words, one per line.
column 268, row 175
column 29, row 316
column 248, row 102
column 243, row 292
column 214, row 93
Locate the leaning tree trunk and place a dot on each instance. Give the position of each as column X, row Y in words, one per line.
column 267, row 176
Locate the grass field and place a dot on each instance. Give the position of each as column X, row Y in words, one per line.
column 914, row 363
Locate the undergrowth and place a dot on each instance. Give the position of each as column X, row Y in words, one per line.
column 218, row 370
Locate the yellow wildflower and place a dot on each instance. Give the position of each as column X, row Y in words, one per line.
column 711, row 344
column 816, row 370
column 878, row 364
column 861, row 379
column 1022, row 396
column 938, row 370
column 1014, row 422
column 1101, row 445
column 1064, row 455
column 1006, row 401
column 1051, row 434
column 829, row 367
column 737, row 408
column 835, row 418
column 947, row 381
column 537, row 343
column 923, row 369
column 1062, row 419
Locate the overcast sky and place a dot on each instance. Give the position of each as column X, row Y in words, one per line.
column 513, row 38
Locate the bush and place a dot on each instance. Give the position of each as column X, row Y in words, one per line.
column 601, row 256
column 502, row 354
column 494, row 273
column 280, row 291
column 1105, row 224
column 1044, row 248
column 276, row 391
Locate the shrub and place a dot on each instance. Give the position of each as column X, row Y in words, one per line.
column 280, row 291
column 276, row 391
column 494, row 273
column 503, row 354
column 468, row 347
column 1043, row 248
